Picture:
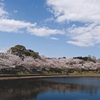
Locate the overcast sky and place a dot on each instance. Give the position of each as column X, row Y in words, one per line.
column 54, row 28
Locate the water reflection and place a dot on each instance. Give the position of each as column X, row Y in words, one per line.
column 30, row 89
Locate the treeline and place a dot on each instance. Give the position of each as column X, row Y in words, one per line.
column 89, row 58
column 20, row 70
column 19, row 60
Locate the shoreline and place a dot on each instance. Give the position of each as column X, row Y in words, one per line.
column 44, row 76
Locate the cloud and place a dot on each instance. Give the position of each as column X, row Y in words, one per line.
column 53, row 38
column 44, row 31
column 18, row 26
column 49, row 19
column 3, row 12
column 82, row 11
column 11, row 25
column 15, row 11
column 75, row 10
column 87, row 35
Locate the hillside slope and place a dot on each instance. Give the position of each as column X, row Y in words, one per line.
column 19, row 60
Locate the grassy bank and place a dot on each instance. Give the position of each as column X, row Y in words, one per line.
column 52, row 73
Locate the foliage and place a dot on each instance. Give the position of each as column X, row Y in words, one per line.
column 89, row 58
column 8, row 71
column 19, row 60
column 21, row 51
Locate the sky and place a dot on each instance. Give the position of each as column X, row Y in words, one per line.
column 54, row 28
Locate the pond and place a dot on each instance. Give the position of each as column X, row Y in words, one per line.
column 80, row 88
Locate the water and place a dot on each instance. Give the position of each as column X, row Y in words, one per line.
column 51, row 89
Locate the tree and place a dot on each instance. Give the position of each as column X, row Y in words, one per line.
column 21, row 51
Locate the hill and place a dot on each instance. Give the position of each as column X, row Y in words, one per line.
column 19, row 60
column 22, row 52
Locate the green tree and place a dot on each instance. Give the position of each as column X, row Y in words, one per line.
column 21, row 51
